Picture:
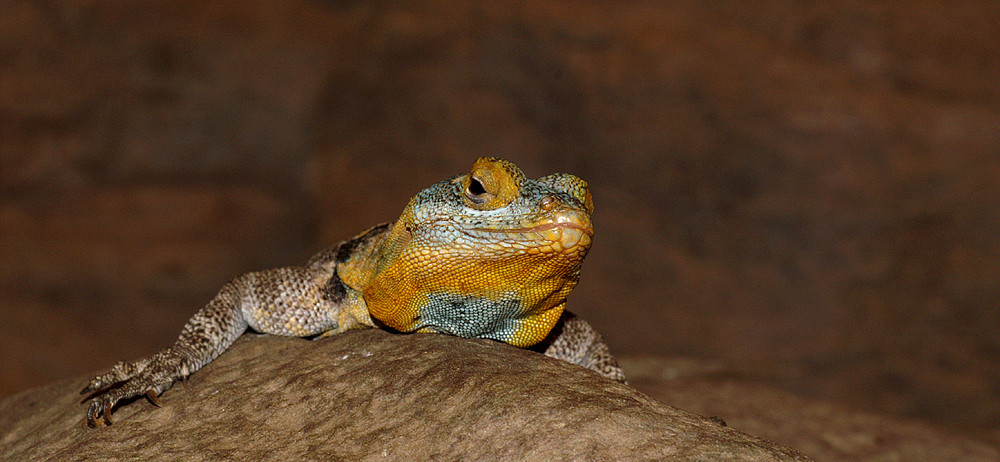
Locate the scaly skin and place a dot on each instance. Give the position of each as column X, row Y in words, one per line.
column 490, row 254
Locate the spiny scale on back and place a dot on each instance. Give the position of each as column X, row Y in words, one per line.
column 489, row 254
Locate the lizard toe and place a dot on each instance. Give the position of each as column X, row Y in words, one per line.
column 99, row 412
column 107, row 412
column 92, row 415
column 92, row 386
column 96, row 383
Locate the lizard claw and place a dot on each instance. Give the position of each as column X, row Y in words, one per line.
column 151, row 396
column 107, row 414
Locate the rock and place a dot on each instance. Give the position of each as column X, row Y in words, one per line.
column 372, row 394
column 824, row 430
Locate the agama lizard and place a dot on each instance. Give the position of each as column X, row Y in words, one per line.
column 490, row 254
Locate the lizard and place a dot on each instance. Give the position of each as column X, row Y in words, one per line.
column 489, row 254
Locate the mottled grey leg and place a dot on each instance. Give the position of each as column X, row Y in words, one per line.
column 203, row 338
column 284, row 301
column 574, row 340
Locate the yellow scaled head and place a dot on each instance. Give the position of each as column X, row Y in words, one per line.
column 489, row 254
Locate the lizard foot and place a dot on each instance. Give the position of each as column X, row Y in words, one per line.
column 149, row 376
column 119, row 373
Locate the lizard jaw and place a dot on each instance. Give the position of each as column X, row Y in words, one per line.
column 548, row 226
column 555, row 236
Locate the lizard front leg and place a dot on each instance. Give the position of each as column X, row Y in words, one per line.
column 576, row 341
column 285, row 301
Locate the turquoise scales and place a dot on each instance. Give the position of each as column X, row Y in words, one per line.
column 489, row 254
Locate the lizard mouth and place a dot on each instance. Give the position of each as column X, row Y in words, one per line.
column 547, row 227
column 563, row 232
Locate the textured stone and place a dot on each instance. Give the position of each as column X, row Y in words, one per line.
column 370, row 394
column 824, row 430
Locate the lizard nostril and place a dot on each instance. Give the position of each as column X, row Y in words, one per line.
column 548, row 202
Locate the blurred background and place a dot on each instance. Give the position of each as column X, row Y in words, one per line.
column 804, row 191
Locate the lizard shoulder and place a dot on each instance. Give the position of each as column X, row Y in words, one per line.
column 345, row 250
column 354, row 259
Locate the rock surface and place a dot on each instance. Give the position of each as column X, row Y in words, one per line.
column 824, row 430
column 370, row 394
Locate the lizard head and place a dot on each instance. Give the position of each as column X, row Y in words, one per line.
column 489, row 254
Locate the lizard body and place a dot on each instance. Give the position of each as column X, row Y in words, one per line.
column 490, row 254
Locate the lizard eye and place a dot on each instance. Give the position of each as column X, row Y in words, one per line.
column 492, row 184
column 476, row 192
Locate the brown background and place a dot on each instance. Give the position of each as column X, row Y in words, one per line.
column 803, row 190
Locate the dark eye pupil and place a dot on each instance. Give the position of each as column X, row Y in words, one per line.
column 476, row 188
